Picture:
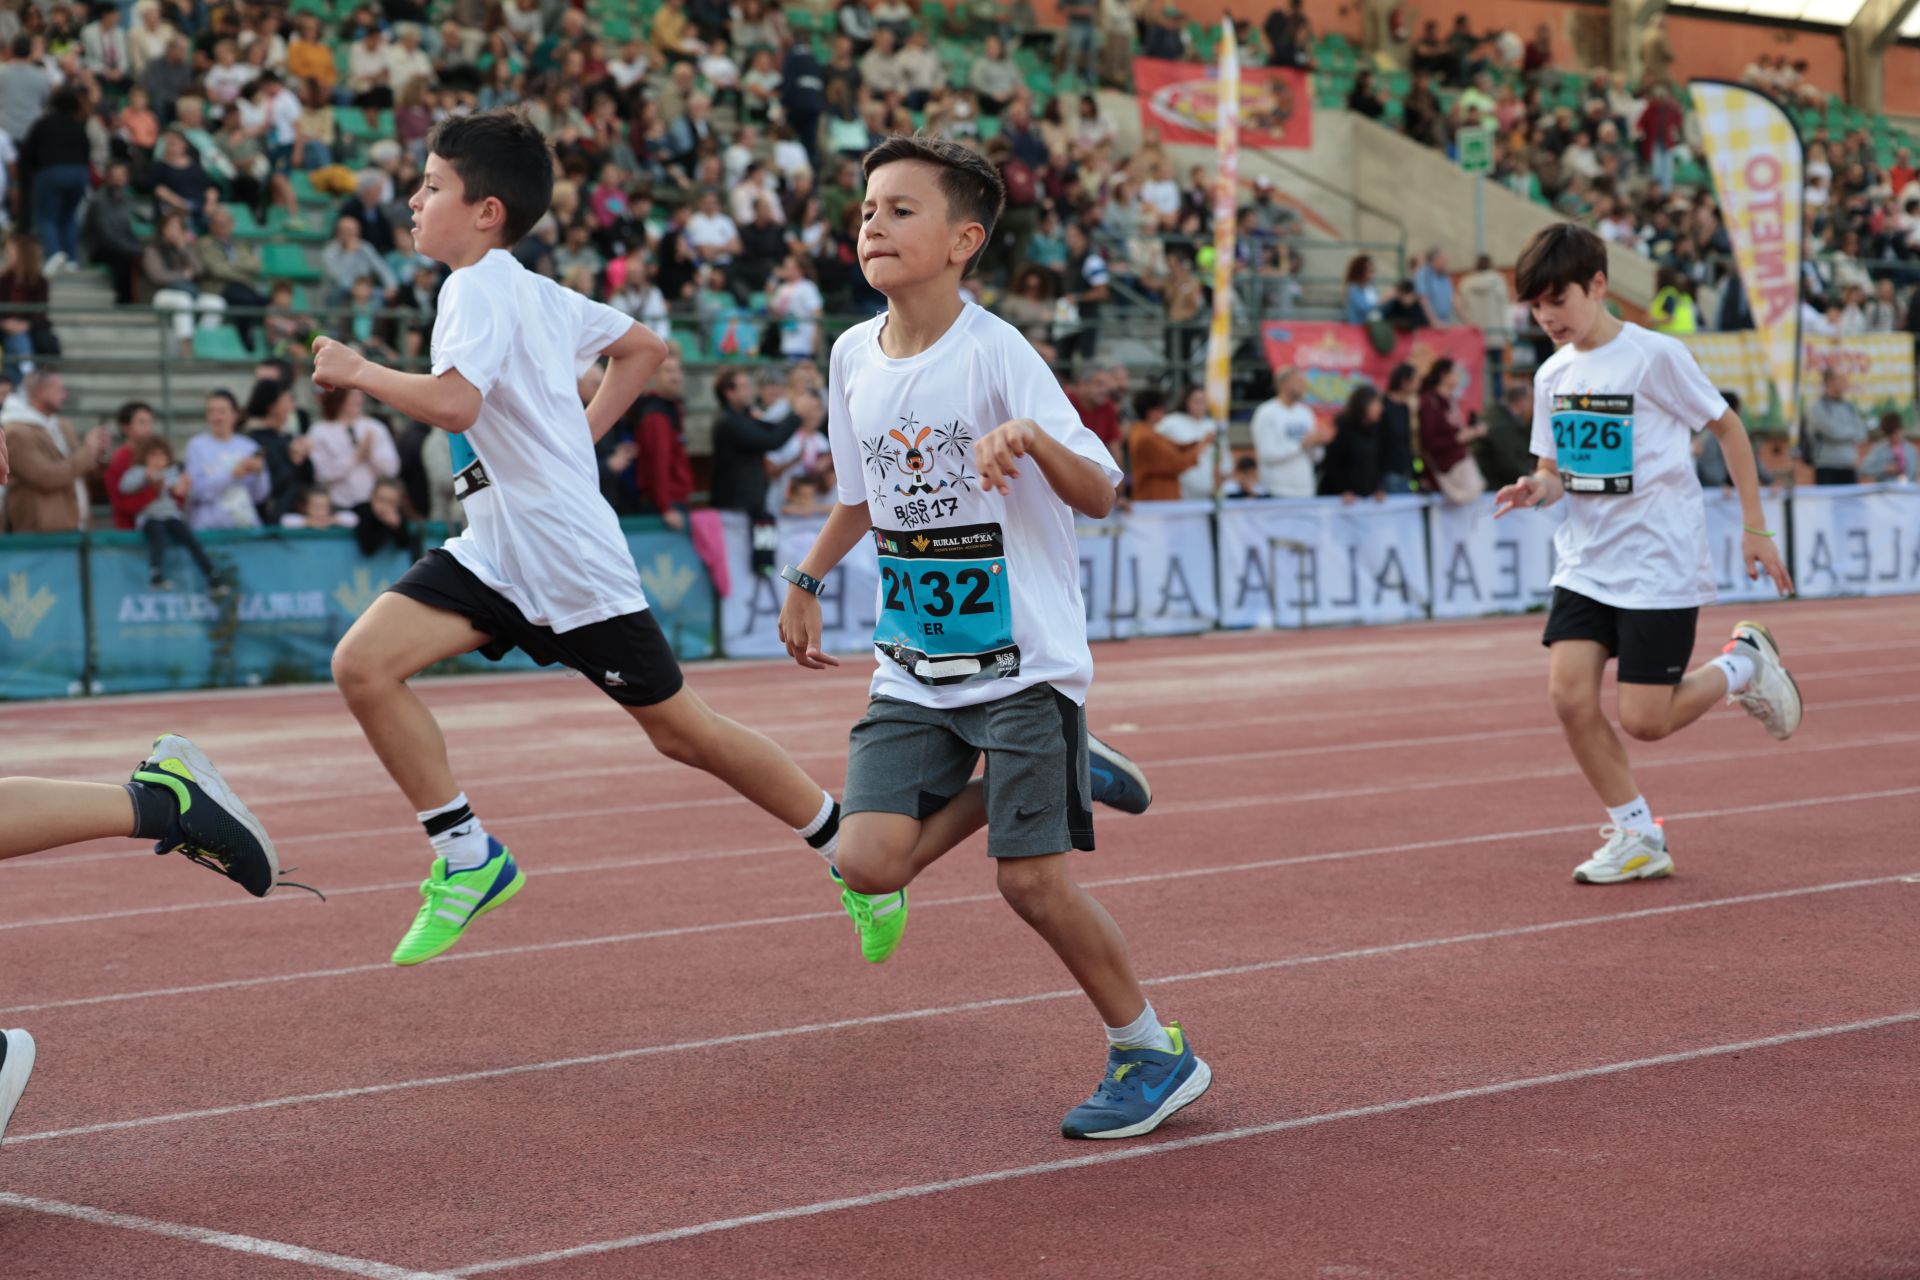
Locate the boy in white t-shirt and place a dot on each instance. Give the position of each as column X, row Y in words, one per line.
column 542, row 565
column 955, row 448
column 1614, row 413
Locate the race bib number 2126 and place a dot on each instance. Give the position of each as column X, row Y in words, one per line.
column 1593, row 442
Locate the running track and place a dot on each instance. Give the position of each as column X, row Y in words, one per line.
column 1435, row 1055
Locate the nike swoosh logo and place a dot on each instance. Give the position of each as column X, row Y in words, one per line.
column 1032, row 812
column 1103, row 776
column 1153, row 1094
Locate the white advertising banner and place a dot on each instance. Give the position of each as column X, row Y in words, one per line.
column 1289, row 562
column 1149, row 571
column 1856, row 540
column 750, row 614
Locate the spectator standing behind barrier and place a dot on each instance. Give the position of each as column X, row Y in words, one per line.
column 1710, row 463
column 1245, row 480
column 1835, row 432
column 1191, row 425
column 741, row 443
column 1445, row 434
column 24, row 90
column 161, row 517
column 656, row 470
column 57, row 153
column 1486, row 303
column 1401, row 403
column 1155, row 463
column 382, row 522
column 347, row 259
column 1505, row 452
column 50, row 464
column 268, row 415
column 135, row 420
column 1351, row 470
column 1892, row 457
column 227, row 472
column 350, row 451
column 1284, row 432
column 1363, row 297
column 1434, row 283
column 107, row 234
column 1093, row 400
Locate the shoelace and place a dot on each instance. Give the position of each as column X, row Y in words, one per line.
column 215, row 860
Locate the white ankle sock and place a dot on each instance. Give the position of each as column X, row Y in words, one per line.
column 456, row 834
column 823, row 833
column 1144, row 1032
column 1634, row 815
column 1737, row 667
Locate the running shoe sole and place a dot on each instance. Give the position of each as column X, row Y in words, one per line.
column 208, row 779
column 13, row 1074
column 1196, row 1084
column 1124, row 786
column 1773, row 651
column 1651, row 871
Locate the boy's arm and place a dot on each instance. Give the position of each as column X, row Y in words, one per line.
column 1758, row 548
column 447, row 401
column 631, row 362
column 800, row 615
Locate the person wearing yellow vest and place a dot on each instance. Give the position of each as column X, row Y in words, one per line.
column 1673, row 309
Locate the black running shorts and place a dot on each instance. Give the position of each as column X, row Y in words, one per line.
column 627, row 658
column 1654, row 646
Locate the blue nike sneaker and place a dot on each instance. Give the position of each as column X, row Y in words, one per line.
column 1118, row 782
column 1142, row 1087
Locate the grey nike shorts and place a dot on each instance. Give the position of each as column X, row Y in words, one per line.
column 908, row 759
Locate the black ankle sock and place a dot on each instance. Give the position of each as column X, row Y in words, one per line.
column 828, row 829
column 154, row 809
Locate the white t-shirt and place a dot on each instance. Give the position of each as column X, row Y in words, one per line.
column 1636, row 538
column 979, row 592
column 538, row 531
column 1196, row 482
column 710, row 230
column 800, row 317
column 1280, row 434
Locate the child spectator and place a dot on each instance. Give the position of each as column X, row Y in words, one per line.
column 1891, row 457
column 315, row 510
column 163, row 519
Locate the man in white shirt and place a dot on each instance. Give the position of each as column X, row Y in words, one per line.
column 406, row 60
column 1284, row 431
column 711, row 234
column 103, row 48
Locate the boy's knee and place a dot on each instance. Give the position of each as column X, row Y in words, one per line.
column 355, row 666
column 1029, row 884
column 1643, row 726
column 867, row 870
column 1574, row 703
column 682, row 743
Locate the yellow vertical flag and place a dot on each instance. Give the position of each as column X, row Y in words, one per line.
column 1759, row 170
column 1226, row 204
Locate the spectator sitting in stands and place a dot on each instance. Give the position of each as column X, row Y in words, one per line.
column 230, row 268
column 1891, row 457
column 163, row 489
column 107, row 232
column 172, row 275
column 137, row 125
column 135, row 420
column 1406, row 310
column 1351, row 468
column 51, row 466
column 180, row 181
column 1363, row 100
column 26, row 328
column 348, row 258
column 313, row 509
column 994, row 77
column 368, row 214
column 383, row 523
column 227, row 471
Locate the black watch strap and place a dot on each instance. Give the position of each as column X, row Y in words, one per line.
column 804, row 581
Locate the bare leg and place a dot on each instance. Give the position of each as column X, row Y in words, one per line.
column 1573, row 681
column 395, row 639
column 1078, row 929
column 1651, row 712
column 686, row 729
column 38, row 814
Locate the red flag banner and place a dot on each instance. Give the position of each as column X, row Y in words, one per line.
column 1180, row 100
column 1338, row 357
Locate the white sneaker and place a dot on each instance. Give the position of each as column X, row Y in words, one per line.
column 14, row 1070
column 54, row 265
column 1626, row 855
column 1771, row 697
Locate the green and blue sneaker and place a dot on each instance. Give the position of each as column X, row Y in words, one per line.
column 1141, row 1089
column 879, row 918
column 452, row 900
column 211, row 827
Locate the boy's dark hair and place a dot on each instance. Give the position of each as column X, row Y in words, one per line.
column 127, row 412
column 969, row 181
column 499, row 154
column 1147, row 400
column 1559, row 258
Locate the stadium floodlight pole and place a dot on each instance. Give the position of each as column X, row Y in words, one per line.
column 1226, row 201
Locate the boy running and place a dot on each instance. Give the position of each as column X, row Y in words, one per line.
column 177, row 799
column 542, row 565
column 953, row 443
column 1614, row 410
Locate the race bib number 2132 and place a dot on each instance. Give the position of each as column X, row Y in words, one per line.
column 945, row 606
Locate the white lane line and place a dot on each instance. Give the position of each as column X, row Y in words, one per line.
column 1166, row 809
column 971, row 1006
column 1114, row 1155
column 927, row 904
column 217, row 1239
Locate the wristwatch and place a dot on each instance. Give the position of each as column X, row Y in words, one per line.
column 804, row 581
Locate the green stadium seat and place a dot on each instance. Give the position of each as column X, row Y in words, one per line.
column 616, row 30
column 353, row 123
column 288, row 262
column 933, row 14
column 222, row 342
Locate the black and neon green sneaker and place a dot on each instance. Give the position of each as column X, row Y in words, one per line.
column 212, row 827
column 879, row 918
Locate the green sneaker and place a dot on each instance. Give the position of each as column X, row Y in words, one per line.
column 454, row 900
column 879, row 918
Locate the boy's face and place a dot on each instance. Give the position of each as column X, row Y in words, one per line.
column 445, row 225
column 907, row 232
column 1568, row 315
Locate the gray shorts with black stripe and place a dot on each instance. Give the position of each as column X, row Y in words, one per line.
column 908, row 759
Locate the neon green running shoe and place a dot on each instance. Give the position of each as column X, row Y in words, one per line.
column 879, row 918
column 453, row 900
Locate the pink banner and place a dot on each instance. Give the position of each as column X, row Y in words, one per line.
column 1338, row 357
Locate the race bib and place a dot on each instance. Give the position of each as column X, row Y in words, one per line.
column 945, row 614
column 469, row 476
column 1593, row 443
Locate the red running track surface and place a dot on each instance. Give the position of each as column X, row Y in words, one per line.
column 1434, row 1054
